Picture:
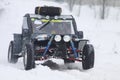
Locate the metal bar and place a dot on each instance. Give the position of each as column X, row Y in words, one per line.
column 48, row 45
column 75, row 59
column 74, row 49
column 69, row 49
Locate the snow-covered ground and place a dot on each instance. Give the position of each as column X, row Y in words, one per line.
column 103, row 34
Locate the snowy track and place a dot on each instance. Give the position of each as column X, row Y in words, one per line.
column 105, row 35
column 104, row 70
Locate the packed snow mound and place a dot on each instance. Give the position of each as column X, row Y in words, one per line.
column 104, row 34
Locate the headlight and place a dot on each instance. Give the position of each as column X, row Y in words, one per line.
column 66, row 38
column 58, row 38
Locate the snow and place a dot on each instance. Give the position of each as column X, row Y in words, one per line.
column 103, row 34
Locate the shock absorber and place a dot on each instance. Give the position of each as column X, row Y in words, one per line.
column 48, row 45
column 74, row 49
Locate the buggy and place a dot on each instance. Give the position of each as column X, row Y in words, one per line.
column 48, row 34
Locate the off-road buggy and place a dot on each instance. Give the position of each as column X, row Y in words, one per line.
column 48, row 34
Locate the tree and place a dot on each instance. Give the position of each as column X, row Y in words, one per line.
column 71, row 4
column 103, row 9
column 80, row 1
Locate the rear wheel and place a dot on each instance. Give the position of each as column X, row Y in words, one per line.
column 28, row 57
column 88, row 57
column 11, row 53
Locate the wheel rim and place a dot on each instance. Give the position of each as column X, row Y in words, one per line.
column 25, row 57
column 83, row 57
column 10, row 53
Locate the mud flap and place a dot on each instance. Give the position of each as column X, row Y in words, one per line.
column 17, row 43
column 82, row 44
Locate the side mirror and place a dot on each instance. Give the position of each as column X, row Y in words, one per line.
column 80, row 34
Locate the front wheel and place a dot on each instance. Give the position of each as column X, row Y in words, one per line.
column 28, row 57
column 88, row 57
column 11, row 53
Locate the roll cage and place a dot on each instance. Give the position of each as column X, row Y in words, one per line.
column 27, row 28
